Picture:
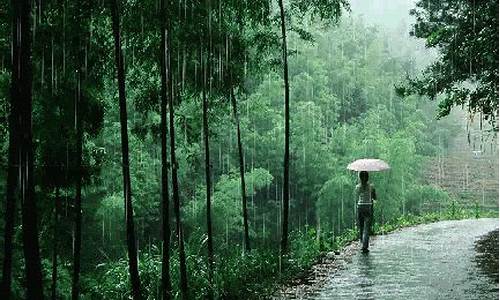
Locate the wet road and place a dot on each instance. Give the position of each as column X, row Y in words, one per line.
column 443, row 260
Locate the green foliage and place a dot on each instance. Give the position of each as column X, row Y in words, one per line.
column 237, row 276
column 226, row 202
column 63, row 279
column 343, row 107
column 432, row 197
column 305, row 248
column 466, row 35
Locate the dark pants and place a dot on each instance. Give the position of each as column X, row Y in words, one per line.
column 365, row 212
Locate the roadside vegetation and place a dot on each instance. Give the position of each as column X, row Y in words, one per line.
column 152, row 158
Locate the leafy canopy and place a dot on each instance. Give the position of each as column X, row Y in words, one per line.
column 466, row 35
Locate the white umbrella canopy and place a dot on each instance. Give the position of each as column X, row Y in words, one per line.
column 369, row 165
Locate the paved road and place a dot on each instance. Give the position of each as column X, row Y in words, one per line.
column 434, row 261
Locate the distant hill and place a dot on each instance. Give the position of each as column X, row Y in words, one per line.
column 468, row 170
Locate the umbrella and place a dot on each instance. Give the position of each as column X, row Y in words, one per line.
column 368, row 164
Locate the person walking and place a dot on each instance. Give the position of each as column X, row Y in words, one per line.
column 365, row 195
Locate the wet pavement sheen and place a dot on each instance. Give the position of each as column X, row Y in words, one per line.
column 432, row 261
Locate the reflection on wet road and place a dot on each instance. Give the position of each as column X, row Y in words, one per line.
column 434, row 261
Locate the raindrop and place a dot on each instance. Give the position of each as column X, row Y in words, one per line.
column 42, row 70
column 52, row 73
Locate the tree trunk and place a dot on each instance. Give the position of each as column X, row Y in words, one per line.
column 75, row 287
column 286, row 161
column 55, row 245
column 242, row 170
column 127, row 192
column 21, row 100
column 10, row 205
column 175, row 190
column 10, row 209
column 209, row 186
column 166, row 286
column 83, row 16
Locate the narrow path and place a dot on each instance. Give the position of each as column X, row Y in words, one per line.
column 434, row 261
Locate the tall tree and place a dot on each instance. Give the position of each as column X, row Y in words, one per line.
column 176, row 192
column 129, row 212
column 466, row 35
column 10, row 206
column 13, row 160
column 325, row 10
column 173, row 91
column 286, row 159
column 75, row 286
column 55, row 245
column 166, row 286
column 207, row 85
column 78, row 190
column 208, row 182
column 21, row 102
column 241, row 159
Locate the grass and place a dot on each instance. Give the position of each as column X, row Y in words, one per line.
column 256, row 275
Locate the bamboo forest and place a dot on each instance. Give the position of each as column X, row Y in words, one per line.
column 210, row 149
